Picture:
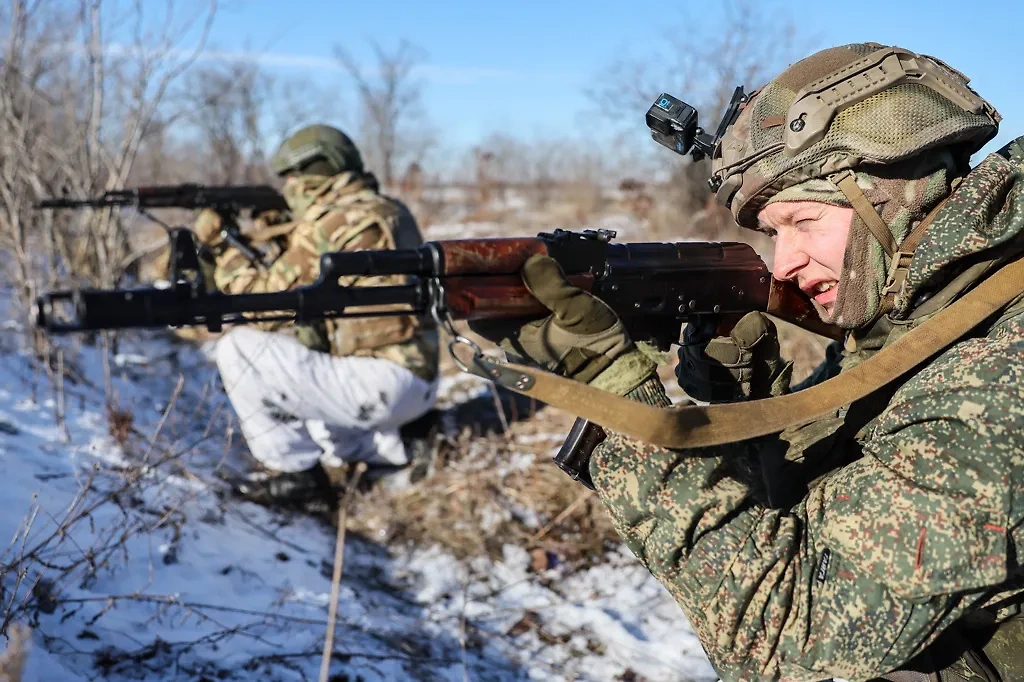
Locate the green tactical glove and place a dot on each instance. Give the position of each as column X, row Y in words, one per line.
column 582, row 339
column 746, row 365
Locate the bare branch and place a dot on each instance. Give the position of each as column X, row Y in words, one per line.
column 228, row 103
column 745, row 44
column 74, row 112
column 393, row 121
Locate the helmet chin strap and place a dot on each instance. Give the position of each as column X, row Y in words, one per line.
column 899, row 264
column 847, row 183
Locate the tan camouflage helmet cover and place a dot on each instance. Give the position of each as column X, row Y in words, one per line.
column 317, row 143
column 841, row 108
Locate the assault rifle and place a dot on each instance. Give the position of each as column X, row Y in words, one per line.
column 227, row 201
column 653, row 287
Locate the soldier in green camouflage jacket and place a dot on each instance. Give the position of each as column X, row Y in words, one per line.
column 312, row 397
column 881, row 541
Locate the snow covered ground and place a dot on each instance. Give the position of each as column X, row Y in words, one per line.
column 128, row 562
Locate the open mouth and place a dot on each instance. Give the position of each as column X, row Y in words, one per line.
column 824, row 292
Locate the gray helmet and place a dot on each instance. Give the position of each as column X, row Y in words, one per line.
column 841, row 108
column 317, row 143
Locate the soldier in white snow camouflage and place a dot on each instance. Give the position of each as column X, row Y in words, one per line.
column 311, row 397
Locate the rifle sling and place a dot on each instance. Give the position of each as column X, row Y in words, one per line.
column 701, row 426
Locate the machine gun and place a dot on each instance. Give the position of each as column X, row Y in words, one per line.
column 227, row 201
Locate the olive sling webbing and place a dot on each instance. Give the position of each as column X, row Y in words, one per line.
column 702, row 426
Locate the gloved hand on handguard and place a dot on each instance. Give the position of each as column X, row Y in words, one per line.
column 582, row 339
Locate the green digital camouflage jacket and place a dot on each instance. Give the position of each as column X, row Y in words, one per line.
column 342, row 213
column 880, row 526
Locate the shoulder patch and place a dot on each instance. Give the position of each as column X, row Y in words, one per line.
column 823, row 562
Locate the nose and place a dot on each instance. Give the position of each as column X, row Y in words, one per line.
column 789, row 257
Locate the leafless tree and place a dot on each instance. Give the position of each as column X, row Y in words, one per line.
column 75, row 108
column 27, row 164
column 701, row 60
column 296, row 101
column 240, row 112
column 228, row 103
column 393, row 126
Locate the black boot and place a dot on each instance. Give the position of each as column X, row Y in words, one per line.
column 298, row 489
column 420, row 438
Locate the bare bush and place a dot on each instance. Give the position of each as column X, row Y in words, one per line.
column 475, row 503
column 393, row 124
column 745, row 45
column 75, row 110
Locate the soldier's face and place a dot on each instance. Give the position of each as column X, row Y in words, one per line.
column 810, row 241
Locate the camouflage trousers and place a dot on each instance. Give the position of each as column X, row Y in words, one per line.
column 297, row 406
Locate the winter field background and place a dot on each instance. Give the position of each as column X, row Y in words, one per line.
column 126, row 560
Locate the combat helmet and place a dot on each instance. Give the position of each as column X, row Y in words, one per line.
column 839, row 109
column 317, row 143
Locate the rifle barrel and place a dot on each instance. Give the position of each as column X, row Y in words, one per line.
column 189, row 195
column 150, row 307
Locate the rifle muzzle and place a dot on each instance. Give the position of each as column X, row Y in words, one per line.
column 90, row 309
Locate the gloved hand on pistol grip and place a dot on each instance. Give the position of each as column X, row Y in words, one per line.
column 582, row 339
column 746, row 365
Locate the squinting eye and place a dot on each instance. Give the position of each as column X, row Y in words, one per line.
column 771, row 233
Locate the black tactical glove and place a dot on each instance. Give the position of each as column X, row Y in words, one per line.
column 582, row 339
column 746, row 365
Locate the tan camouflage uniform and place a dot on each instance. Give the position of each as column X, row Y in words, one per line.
column 340, row 213
column 868, row 536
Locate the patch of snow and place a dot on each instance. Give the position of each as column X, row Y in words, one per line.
column 151, row 572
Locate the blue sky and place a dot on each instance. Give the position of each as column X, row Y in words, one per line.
column 524, row 67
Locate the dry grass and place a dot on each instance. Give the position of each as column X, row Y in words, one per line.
column 487, row 492
column 12, row 660
column 478, row 499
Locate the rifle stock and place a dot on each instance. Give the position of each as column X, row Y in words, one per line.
column 653, row 287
